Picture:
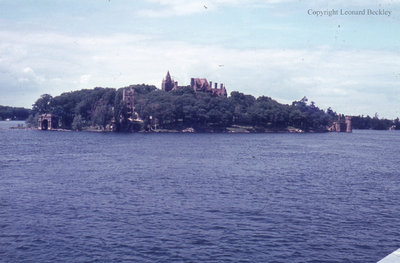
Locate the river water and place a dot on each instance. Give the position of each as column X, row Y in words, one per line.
column 106, row 197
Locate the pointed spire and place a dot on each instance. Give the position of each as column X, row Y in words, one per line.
column 168, row 77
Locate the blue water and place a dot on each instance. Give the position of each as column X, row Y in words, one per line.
column 94, row 197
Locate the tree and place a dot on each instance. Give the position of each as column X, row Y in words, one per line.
column 32, row 121
column 14, row 113
column 43, row 104
column 102, row 115
column 240, row 104
column 78, row 123
column 397, row 123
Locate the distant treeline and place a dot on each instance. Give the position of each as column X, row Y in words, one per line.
column 180, row 109
column 374, row 123
column 14, row 113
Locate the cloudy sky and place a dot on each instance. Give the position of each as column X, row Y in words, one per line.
column 284, row 49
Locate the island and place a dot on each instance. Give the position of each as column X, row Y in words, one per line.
column 198, row 107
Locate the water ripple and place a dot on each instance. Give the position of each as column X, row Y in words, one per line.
column 83, row 197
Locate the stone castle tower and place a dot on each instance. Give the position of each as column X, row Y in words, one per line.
column 348, row 124
column 341, row 126
column 197, row 84
column 128, row 97
column 168, row 83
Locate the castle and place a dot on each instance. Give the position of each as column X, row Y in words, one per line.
column 341, row 126
column 197, row 84
column 202, row 85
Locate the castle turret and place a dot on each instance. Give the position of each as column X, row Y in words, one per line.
column 168, row 77
column 348, row 124
column 168, row 83
column 128, row 97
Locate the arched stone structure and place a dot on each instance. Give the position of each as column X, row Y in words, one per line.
column 341, row 126
column 47, row 122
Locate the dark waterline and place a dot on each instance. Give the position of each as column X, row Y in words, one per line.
column 88, row 197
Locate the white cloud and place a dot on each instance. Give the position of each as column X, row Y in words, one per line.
column 28, row 70
column 172, row 8
column 29, row 76
column 350, row 81
column 84, row 79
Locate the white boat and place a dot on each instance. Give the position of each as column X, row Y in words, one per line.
column 391, row 258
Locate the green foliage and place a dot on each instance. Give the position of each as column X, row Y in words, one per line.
column 309, row 117
column 362, row 123
column 102, row 114
column 178, row 109
column 81, row 109
column 14, row 113
column 143, row 89
column 202, row 111
column 78, row 123
column 184, row 108
column 32, row 121
column 396, row 124
column 43, row 104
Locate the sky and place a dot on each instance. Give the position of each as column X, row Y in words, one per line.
column 348, row 59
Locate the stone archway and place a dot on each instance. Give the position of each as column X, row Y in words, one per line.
column 47, row 122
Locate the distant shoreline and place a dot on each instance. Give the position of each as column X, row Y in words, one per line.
column 166, row 131
column 248, row 130
column 233, row 129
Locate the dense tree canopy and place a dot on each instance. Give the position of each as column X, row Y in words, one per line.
column 13, row 113
column 374, row 123
column 184, row 108
column 78, row 109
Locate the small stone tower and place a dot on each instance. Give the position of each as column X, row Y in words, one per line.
column 348, row 124
column 341, row 125
column 128, row 97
